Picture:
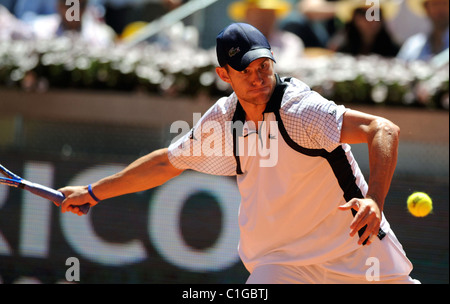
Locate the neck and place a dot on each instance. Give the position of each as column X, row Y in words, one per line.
column 253, row 112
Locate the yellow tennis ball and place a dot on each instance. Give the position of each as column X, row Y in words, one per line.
column 419, row 204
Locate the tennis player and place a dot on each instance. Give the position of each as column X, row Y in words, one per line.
column 307, row 215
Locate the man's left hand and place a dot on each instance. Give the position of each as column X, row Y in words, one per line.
column 368, row 213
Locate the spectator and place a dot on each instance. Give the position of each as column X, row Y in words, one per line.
column 406, row 23
column 12, row 28
column 314, row 23
column 264, row 15
column 29, row 9
column 117, row 13
column 87, row 27
column 424, row 46
column 8, row 4
column 178, row 34
column 365, row 31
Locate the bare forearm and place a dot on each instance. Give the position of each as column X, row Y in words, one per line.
column 383, row 152
column 382, row 138
column 147, row 172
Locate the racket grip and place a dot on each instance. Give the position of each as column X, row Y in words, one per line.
column 51, row 194
column 85, row 208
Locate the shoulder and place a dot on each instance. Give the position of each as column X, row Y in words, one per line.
column 311, row 120
column 299, row 98
column 223, row 109
column 295, row 84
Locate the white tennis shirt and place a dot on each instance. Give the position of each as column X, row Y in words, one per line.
column 292, row 173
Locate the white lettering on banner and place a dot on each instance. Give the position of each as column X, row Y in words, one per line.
column 165, row 216
column 164, row 227
column 5, row 249
column 36, row 212
column 85, row 240
column 27, row 280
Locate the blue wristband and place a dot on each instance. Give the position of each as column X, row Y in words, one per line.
column 92, row 193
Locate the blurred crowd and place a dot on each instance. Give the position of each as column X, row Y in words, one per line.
column 100, row 23
column 407, row 29
column 364, row 50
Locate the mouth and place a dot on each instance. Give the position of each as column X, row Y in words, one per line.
column 264, row 89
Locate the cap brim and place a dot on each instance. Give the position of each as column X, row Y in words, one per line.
column 251, row 56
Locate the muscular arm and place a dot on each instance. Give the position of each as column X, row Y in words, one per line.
column 145, row 173
column 382, row 138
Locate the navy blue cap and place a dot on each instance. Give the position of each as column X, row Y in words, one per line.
column 239, row 44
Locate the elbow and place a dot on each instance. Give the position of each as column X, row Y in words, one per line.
column 165, row 166
column 388, row 129
column 393, row 130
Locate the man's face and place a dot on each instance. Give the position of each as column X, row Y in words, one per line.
column 253, row 85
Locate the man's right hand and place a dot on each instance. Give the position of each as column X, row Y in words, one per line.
column 75, row 197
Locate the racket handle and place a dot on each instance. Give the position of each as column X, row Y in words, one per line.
column 85, row 208
column 51, row 194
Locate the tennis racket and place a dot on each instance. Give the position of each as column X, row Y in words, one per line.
column 16, row 181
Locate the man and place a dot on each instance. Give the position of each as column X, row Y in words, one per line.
column 424, row 46
column 297, row 179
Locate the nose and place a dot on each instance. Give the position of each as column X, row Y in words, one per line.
column 257, row 78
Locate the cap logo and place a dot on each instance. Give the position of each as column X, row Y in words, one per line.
column 233, row 51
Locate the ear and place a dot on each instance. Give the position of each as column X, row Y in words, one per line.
column 223, row 74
